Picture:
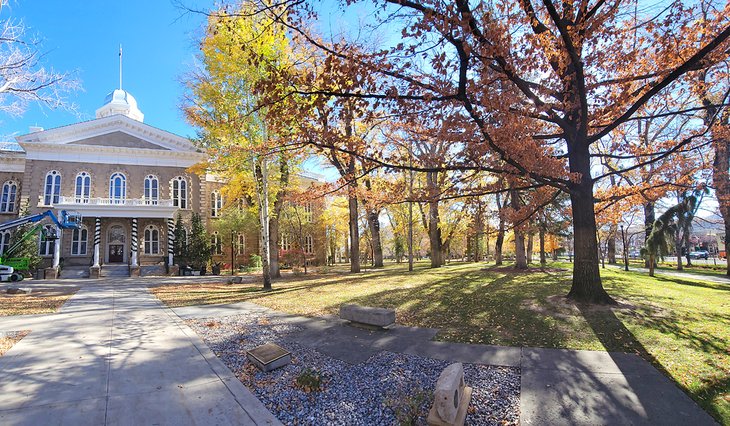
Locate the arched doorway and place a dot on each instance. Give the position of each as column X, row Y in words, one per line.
column 116, row 243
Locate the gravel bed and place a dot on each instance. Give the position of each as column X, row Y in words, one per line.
column 387, row 389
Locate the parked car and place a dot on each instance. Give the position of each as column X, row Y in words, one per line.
column 699, row 255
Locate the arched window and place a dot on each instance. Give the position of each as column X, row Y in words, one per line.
column 47, row 245
column 83, row 187
column 52, row 188
column 180, row 192
column 241, row 244
column 307, row 208
column 117, row 188
column 79, row 241
column 308, row 244
column 4, row 241
column 284, row 242
column 151, row 240
column 151, row 190
column 8, row 197
column 216, row 204
column 216, row 246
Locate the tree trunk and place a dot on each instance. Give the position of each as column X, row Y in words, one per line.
column 498, row 243
column 686, row 240
column 477, row 239
column 262, row 191
column 520, row 259
column 651, row 261
column 354, row 235
column 274, row 244
column 649, row 218
column 434, row 231
column 500, row 232
column 347, row 250
column 678, row 252
column 374, row 222
column 374, row 225
column 274, row 223
column 611, row 249
column 543, row 261
column 530, row 244
column 586, row 286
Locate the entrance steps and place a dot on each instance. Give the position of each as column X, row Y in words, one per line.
column 114, row 271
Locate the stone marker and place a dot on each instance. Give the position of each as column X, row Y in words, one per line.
column 379, row 317
column 450, row 398
column 237, row 280
column 269, row 357
column 18, row 290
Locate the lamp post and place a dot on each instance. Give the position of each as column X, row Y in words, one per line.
column 626, row 251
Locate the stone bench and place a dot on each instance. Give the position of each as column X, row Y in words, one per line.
column 378, row 317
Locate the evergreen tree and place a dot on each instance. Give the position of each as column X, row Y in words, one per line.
column 198, row 249
column 180, row 246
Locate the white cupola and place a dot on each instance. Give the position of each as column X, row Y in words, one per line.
column 120, row 102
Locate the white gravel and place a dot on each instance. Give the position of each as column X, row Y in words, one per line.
column 376, row 392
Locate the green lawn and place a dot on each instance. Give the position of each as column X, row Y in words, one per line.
column 681, row 326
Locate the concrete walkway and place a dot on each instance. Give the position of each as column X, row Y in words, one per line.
column 559, row 387
column 115, row 356
column 718, row 279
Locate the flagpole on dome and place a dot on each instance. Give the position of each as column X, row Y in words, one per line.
column 120, row 67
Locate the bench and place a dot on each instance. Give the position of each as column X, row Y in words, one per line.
column 378, row 317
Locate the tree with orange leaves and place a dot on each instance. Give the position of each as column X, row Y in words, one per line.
column 531, row 87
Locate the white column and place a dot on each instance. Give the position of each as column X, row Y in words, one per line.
column 134, row 243
column 97, row 241
column 57, row 248
column 170, row 239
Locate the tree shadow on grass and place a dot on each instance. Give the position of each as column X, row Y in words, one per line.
column 616, row 337
column 473, row 307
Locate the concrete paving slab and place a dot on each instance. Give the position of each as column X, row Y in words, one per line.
column 565, row 387
column 115, row 342
column 82, row 413
column 472, row 354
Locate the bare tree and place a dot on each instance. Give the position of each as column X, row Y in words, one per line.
column 23, row 80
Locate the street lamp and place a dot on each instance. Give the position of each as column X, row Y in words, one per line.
column 626, row 251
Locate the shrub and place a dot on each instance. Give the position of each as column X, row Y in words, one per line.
column 309, row 380
column 408, row 405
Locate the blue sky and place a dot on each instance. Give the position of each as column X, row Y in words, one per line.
column 84, row 37
column 159, row 43
column 159, row 47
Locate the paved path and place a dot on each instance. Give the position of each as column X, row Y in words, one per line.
column 559, row 387
column 116, row 356
column 719, row 279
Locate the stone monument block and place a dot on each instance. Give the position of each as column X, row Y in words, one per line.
column 450, row 398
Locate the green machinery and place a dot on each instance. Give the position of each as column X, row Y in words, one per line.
column 9, row 264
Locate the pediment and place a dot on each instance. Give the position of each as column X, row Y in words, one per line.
column 118, row 139
column 115, row 131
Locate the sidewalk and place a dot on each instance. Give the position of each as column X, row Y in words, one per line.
column 558, row 386
column 116, row 356
column 719, row 279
